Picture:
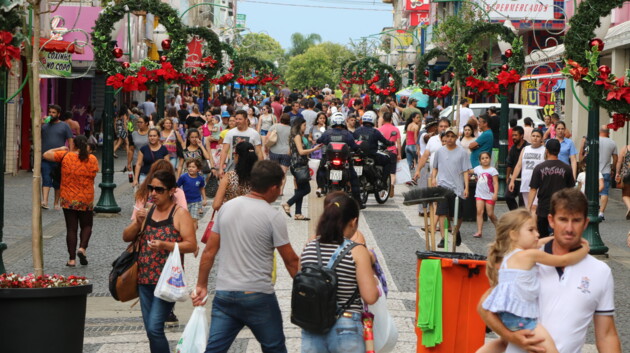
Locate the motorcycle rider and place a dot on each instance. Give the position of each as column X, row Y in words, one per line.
column 370, row 137
column 338, row 133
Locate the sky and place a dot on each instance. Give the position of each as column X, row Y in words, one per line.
column 332, row 24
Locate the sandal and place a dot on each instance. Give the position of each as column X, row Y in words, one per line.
column 71, row 265
column 44, row 206
column 287, row 209
column 82, row 258
column 301, row 217
column 477, row 235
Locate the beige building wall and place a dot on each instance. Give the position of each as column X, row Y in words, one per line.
column 14, row 119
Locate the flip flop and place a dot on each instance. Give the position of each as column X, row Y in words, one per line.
column 82, row 258
column 299, row 217
column 477, row 235
column 45, row 206
column 71, row 265
column 287, row 209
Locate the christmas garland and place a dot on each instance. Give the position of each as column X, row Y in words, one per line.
column 254, row 71
column 381, row 79
column 227, row 75
column 104, row 51
column 10, row 42
column 582, row 52
column 501, row 81
column 211, row 51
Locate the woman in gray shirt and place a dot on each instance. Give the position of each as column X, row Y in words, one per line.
column 279, row 151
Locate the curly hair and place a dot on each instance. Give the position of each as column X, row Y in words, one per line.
column 511, row 221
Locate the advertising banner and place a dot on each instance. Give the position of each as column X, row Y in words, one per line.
column 55, row 64
column 417, row 5
column 193, row 58
column 518, row 10
column 419, row 18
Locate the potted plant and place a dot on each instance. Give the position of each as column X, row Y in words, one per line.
column 42, row 313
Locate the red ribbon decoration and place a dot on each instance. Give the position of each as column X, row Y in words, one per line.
column 7, row 51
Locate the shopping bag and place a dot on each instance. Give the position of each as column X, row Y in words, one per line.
column 313, row 165
column 403, row 175
column 194, row 337
column 172, row 286
column 384, row 328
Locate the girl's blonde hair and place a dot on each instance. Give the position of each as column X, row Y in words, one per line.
column 511, row 221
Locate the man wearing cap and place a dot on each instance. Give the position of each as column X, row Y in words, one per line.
column 450, row 170
column 411, row 108
column 548, row 177
column 225, row 119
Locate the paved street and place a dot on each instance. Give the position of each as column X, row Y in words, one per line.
column 393, row 230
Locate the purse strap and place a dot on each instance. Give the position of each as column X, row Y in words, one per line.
column 135, row 245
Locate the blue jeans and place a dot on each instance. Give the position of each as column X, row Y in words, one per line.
column 606, row 185
column 154, row 314
column 258, row 311
column 346, row 336
column 47, row 179
column 516, row 323
column 412, row 156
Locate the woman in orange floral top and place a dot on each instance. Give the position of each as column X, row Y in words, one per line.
column 78, row 170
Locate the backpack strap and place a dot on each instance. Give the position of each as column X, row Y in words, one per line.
column 319, row 253
column 343, row 253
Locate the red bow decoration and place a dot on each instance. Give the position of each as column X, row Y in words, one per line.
column 507, row 78
column 577, row 71
column 115, row 80
column 619, row 120
column 7, row 51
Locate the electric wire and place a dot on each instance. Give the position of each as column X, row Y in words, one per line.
column 315, row 6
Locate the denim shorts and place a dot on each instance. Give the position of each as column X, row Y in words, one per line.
column 516, row 323
column 263, row 132
column 346, row 336
column 606, row 188
column 194, row 208
column 283, row 159
column 47, row 179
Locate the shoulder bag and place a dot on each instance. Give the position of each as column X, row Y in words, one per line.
column 123, row 278
column 206, row 233
column 272, row 138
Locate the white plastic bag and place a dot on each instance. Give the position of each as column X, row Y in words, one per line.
column 172, row 286
column 385, row 331
column 403, row 175
column 194, row 338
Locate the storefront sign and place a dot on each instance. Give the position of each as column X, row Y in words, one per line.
column 403, row 40
column 241, row 18
column 417, row 5
column 419, row 18
column 193, row 58
column 56, row 64
column 518, row 10
column 78, row 17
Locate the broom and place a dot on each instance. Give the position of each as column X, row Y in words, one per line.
column 420, row 195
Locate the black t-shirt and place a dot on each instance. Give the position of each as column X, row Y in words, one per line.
column 495, row 122
column 548, row 177
column 194, row 122
column 513, row 155
column 149, row 156
column 182, row 114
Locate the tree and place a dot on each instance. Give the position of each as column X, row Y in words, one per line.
column 300, row 43
column 261, row 46
column 317, row 66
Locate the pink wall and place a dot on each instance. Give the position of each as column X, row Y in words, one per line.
column 85, row 18
column 621, row 15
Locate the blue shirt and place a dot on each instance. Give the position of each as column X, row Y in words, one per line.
column 192, row 187
column 485, row 142
column 294, row 116
column 567, row 149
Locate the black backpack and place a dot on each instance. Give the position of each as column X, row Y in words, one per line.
column 314, row 295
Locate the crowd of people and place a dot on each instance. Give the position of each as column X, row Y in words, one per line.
column 248, row 142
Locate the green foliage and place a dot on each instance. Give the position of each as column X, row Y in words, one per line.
column 104, row 27
column 300, row 43
column 367, row 67
column 576, row 43
column 262, row 46
column 316, row 67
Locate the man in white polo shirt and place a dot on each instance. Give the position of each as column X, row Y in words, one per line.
column 241, row 133
column 572, row 296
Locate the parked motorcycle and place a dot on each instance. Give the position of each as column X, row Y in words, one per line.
column 371, row 177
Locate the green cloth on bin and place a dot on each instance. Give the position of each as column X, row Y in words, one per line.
column 430, row 303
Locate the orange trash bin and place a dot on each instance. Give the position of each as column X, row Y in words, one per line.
column 464, row 281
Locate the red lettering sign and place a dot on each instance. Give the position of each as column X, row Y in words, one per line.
column 419, row 18
column 193, row 58
column 417, row 5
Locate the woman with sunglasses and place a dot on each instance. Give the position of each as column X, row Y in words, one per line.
column 148, row 155
column 166, row 223
column 267, row 119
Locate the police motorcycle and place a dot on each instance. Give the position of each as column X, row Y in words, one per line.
column 371, row 178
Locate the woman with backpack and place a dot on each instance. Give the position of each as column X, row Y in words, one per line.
column 356, row 281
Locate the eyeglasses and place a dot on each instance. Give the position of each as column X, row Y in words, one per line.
column 157, row 189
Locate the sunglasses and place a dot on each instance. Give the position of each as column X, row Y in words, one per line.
column 157, row 189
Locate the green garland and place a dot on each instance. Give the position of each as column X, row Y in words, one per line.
column 102, row 32
column 373, row 66
column 249, row 63
column 422, row 62
column 11, row 20
column 576, row 44
column 212, row 47
column 232, row 57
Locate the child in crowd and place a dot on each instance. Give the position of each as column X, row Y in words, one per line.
column 581, row 178
column 513, row 275
column 193, row 185
column 487, row 191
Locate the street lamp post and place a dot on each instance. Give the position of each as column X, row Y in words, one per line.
column 107, row 202
column 592, row 186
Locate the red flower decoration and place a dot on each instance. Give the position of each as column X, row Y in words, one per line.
column 115, row 81
column 7, row 51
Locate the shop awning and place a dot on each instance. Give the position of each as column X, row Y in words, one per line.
column 59, row 46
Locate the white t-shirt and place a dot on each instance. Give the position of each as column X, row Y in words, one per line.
column 422, row 144
column 485, row 184
column 567, row 303
column 434, row 144
column 309, row 115
column 582, row 179
column 234, row 136
column 464, row 115
column 531, row 158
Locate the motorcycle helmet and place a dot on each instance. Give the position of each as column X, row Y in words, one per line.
column 337, row 119
column 369, row 117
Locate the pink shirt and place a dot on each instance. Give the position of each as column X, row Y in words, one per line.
column 392, row 134
column 179, row 197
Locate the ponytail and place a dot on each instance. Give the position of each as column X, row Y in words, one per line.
column 81, row 144
column 337, row 214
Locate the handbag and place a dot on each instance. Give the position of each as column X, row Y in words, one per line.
column 301, row 173
column 206, row 233
column 171, row 286
column 205, row 167
column 212, row 185
column 123, row 278
column 272, row 138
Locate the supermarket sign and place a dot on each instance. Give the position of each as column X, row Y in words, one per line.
column 518, row 10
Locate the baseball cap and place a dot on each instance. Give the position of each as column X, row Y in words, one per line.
column 451, row 130
column 553, row 146
column 411, row 100
column 225, row 115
